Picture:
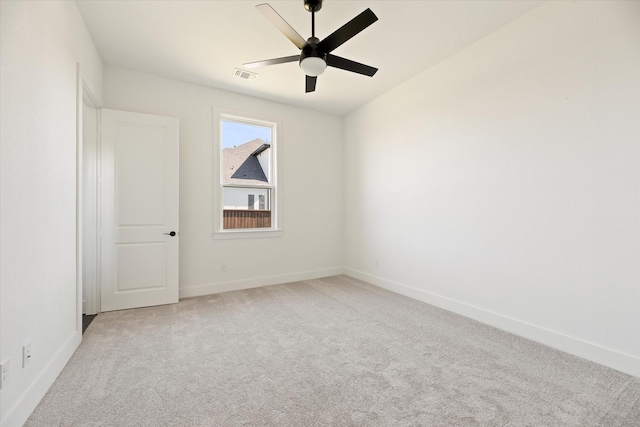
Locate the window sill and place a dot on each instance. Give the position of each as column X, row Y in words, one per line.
column 246, row 234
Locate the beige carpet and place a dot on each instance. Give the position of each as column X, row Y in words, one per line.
column 328, row 352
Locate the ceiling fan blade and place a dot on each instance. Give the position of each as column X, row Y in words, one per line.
column 349, row 65
column 311, row 84
column 281, row 24
column 347, row 31
column 273, row 61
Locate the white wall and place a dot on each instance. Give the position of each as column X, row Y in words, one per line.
column 40, row 46
column 309, row 164
column 521, row 158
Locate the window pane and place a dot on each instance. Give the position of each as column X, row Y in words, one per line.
column 246, row 153
column 240, row 211
column 247, row 184
column 240, row 198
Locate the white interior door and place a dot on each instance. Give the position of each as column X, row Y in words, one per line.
column 139, row 254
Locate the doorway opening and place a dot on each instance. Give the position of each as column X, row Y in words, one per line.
column 87, row 204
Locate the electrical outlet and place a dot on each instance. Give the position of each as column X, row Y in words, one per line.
column 26, row 354
column 4, row 373
column 223, row 269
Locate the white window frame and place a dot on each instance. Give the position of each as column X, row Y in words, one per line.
column 220, row 114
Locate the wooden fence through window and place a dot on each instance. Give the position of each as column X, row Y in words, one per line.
column 243, row 218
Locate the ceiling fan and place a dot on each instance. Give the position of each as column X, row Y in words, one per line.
column 316, row 55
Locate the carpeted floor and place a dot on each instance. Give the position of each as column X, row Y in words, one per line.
column 327, row 352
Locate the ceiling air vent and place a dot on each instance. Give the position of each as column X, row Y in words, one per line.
column 247, row 75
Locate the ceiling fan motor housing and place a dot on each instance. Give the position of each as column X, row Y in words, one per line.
column 310, row 50
column 313, row 5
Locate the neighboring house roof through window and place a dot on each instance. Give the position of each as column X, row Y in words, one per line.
column 240, row 163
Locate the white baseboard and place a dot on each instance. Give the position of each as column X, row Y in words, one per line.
column 611, row 358
column 18, row 414
column 215, row 288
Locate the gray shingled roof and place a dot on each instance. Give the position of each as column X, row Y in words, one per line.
column 240, row 165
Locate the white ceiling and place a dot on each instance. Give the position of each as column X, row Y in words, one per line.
column 203, row 41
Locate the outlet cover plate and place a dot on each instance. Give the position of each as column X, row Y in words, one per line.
column 26, row 354
column 4, row 373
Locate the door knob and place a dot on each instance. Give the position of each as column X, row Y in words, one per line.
column 173, row 233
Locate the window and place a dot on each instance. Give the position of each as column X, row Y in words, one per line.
column 246, row 188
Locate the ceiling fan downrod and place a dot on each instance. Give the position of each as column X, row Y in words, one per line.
column 313, row 6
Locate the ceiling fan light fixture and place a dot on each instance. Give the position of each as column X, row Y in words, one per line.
column 313, row 66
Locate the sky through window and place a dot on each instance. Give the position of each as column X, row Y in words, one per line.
column 235, row 133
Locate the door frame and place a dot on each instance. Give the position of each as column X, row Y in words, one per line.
column 84, row 95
